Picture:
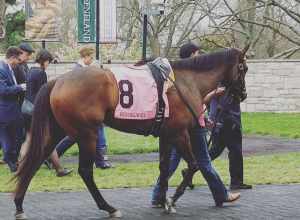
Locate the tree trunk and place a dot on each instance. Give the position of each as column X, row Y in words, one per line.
column 154, row 45
column 3, row 7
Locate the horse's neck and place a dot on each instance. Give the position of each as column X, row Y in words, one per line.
column 199, row 83
column 210, row 81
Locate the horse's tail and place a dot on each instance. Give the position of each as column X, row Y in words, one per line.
column 42, row 128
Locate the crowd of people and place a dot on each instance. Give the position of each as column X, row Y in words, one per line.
column 19, row 86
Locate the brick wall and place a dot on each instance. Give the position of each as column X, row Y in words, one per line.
column 272, row 85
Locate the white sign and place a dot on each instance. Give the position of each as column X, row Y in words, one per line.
column 108, row 21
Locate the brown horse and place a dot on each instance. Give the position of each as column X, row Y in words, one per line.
column 80, row 101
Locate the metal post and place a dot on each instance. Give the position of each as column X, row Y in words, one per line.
column 97, row 30
column 44, row 44
column 145, row 21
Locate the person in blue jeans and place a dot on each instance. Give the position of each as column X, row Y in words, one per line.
column 101, row 160
column 199, row 143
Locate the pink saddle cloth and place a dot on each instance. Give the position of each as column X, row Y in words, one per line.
column 138, row 96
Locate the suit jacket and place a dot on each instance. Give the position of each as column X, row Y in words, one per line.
column 21, row 71
column 10, row 110
column 36, row 78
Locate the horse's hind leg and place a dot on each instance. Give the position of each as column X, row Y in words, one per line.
column 23, row 186
column 87, row 151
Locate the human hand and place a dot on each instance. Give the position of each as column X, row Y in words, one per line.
column 23, row 86
column 209, row 124
column 220, row 91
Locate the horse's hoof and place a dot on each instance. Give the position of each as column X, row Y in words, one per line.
column 116, row 214
column 170, row 206
column 21, row 216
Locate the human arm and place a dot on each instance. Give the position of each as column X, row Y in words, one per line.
column 215, row 93
column 8, row 90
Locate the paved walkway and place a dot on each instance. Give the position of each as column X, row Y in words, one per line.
column 252, row 145
column 263, row 202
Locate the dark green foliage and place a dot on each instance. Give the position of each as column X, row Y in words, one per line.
column 15, row 28
column 11, row 2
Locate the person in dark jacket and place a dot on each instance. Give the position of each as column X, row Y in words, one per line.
column 21, row 70
column 101, row 160
column 35, row 79
column 10, row 110
column 199, row 143
column 225, row 114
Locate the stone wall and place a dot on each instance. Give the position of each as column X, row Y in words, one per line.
column 272, row 85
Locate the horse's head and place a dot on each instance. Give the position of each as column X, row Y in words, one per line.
column 236, row 75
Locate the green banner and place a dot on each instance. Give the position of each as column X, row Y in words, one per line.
column 86, row 14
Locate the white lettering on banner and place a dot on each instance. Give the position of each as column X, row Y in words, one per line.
column 86, row 20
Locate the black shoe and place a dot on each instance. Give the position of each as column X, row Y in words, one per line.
column 190, row 183
column 240, row 186
column 64, row 172
column 48, row 164
column 104, row 165
column 12, row 166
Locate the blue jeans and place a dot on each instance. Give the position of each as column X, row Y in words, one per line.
column 199, row 143
column 67, row 142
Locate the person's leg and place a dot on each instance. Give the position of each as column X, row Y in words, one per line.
column 60, row 171
column 101, row 160
column 174, row 162
column 8, row 143
column 20, row 135
column 218, row 189
column 218, row 144
column 235, row 155
column 64, row 145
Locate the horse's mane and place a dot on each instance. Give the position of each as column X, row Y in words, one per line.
column 208, row 61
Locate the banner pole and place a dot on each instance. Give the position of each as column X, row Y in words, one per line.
column 145, row 23
column 97, row 30
column 44, row 44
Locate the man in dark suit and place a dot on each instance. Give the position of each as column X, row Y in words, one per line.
column 21, row 70
column 10, row 110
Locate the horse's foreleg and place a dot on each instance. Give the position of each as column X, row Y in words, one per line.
column 186, row 151
column 87, row 151
column 164, row 162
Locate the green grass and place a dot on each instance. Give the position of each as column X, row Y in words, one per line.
column 274, row 124
column 271, row 169
column 125, row 143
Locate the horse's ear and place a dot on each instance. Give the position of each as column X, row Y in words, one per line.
column 244, row 51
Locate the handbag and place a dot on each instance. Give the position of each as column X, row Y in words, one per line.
column 27, row 107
